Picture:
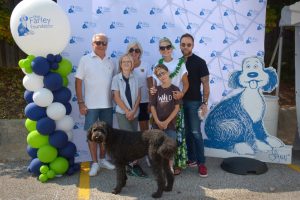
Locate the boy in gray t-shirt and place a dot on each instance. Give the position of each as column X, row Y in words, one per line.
column 164, row 107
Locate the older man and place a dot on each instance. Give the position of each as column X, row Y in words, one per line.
column 96, row 70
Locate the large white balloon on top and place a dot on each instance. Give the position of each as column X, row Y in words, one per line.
column 40, row 27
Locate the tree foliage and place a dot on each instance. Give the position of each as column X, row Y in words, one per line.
column 4, row 22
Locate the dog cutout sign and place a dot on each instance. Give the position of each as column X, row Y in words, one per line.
column 235, row 127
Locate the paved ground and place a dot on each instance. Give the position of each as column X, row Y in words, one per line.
column 279, row 182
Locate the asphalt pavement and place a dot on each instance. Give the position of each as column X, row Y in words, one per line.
column 279, row 182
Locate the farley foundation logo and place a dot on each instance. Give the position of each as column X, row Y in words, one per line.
column 27, row 25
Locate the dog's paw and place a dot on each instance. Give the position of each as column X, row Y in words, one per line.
column 116, row 191
column 168, row 188
column 243, row 149
column 263, row 146
column 274, row 142
column 157, row 194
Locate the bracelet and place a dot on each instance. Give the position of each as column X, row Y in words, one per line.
column 80, row 102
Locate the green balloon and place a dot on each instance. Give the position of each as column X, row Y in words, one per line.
column 60, row 165
column 30, row 57
column 65, row 81
column 50, row 174
column 36, row 140
column 27, row 66
column 21, row 63
column 65, row 67
column 47, row 153
column 44, row 169
column 43, row 178
column 30, row 125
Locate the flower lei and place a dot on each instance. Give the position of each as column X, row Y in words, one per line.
column 177, row 69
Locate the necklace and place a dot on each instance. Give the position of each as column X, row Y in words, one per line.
column 177, row 69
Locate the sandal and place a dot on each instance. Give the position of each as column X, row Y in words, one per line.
column 177, row 171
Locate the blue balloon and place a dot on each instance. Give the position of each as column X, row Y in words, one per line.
column 62, row 95
column 35, row 112
column 32, row 152
column 58, row 139
column 34, row 166
column 28, row 96
column 45, row 126
column 40, row 65
column 58, row 58
column 51, row 58
column 54, row 66
column 70, row 171
column 53, row 81
column 71, row 161
column 68, row 108
column 68, row 151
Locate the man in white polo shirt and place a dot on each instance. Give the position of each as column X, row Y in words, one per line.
column 96, row 70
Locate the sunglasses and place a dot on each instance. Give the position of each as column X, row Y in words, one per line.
column 162, row 48
column 98, row 43
column 184, row 44
column 131, row 50
column 160, row 74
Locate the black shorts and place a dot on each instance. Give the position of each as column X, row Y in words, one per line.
column 143, row 115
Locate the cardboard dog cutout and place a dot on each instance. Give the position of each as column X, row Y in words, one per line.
column 235, row 127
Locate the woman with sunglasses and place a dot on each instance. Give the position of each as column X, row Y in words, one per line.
column 141, row 70
column 178, row 75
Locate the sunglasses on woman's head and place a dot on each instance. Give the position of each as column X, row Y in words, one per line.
column 98, row 43
column 131, row 50
column 162, row 48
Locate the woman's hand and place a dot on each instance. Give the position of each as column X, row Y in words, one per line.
column 153, row 90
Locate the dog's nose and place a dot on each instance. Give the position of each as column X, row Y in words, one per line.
column 252, row 74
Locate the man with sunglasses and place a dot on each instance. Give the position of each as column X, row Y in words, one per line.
column 96, row 70
column 193, row 101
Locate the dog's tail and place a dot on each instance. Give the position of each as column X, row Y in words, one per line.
column 168, row 148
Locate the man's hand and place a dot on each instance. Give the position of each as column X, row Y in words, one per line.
column 82, row 109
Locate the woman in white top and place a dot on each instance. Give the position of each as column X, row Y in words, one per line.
column 142, row 72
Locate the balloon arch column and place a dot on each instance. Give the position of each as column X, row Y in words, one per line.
column 42, row 30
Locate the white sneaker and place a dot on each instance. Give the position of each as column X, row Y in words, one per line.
column 105, row 164
column 94, row 169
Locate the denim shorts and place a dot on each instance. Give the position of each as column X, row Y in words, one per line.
column 171, row 133
column 102, row 114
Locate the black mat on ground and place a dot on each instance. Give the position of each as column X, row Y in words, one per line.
column 244, row 166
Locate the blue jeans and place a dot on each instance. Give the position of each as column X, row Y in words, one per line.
column 194, row 140
column 103, row 114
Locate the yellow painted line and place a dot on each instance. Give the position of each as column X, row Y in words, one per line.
column 294, row 167
column 84, row 182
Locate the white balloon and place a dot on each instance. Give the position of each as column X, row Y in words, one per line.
column 40, row 27
column 65, row 124
column 33, row 82
column 23, row 70
column 70, row 135
column 56, row 111
column 42, row 97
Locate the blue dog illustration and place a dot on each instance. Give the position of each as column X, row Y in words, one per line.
column 237, row 120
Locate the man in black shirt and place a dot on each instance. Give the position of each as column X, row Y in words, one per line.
column 193, row 101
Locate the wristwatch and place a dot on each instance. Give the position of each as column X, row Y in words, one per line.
column 205, row 103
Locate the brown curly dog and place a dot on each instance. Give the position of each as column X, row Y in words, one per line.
column 125, row 146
